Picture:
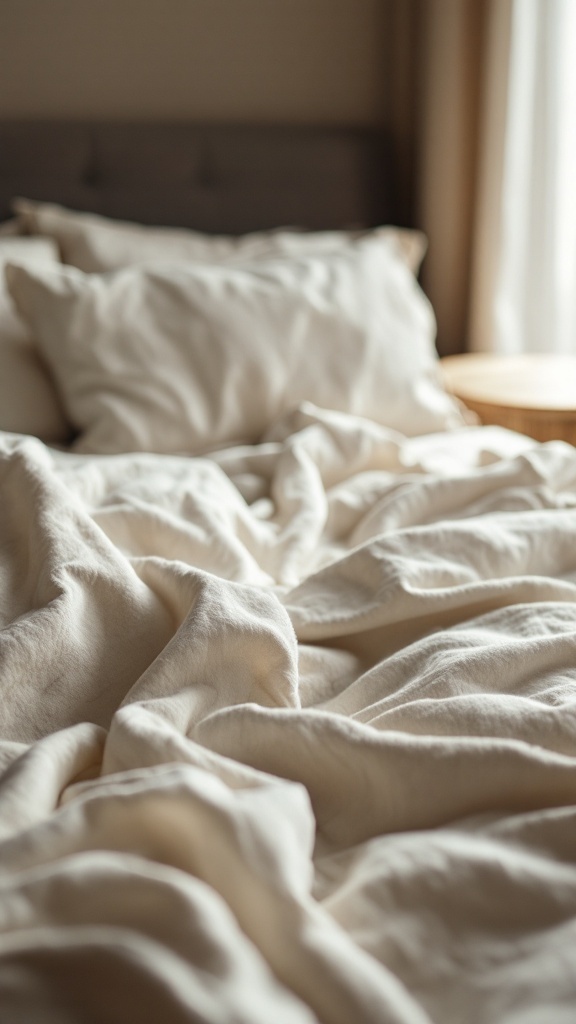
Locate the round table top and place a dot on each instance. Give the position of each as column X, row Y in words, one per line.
column 531, row 382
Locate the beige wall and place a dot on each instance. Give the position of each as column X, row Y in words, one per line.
column 278, row 60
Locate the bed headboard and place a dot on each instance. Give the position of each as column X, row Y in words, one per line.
column 212, row 177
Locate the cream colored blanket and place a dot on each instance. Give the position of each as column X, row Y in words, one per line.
column 289, row 733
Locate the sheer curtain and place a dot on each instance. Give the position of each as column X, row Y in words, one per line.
column 524, row 278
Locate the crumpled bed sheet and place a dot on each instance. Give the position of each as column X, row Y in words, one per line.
column 289, row 732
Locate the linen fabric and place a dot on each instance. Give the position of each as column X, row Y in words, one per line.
column 288, row 733
column 95, row 244
column 187, row 358
column 29, row 402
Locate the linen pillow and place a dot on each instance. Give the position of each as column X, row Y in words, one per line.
column 187, row 358
column 96, row 244
column 28, row 400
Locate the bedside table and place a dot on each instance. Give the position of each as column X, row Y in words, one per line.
column 533, row 394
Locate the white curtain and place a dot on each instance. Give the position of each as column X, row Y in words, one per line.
column 524, row 276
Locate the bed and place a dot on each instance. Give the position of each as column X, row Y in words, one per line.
column 288, row 645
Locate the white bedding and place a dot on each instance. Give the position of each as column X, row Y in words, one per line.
column 289, row 733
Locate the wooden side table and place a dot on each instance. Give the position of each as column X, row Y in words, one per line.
column 533, row 394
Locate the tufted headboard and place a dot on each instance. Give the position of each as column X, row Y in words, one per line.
column 212, row 177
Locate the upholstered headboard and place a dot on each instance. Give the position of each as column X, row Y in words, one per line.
column 213, row 177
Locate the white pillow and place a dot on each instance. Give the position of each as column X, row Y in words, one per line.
column 191, row 357
column 95, row 244
column 28, row 400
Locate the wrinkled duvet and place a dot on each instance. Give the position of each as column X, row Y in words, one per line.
column 288, row 733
